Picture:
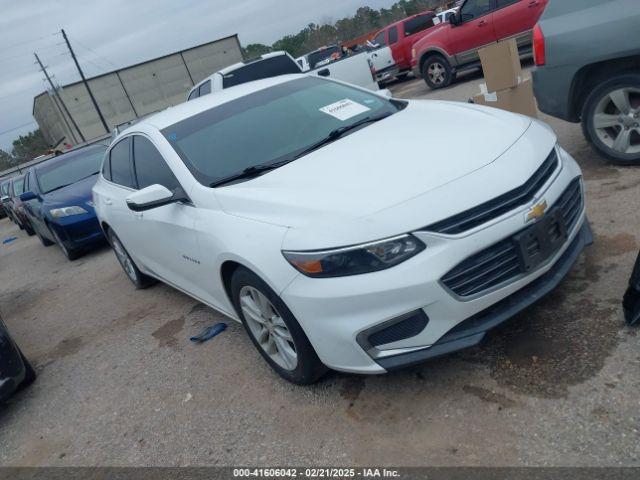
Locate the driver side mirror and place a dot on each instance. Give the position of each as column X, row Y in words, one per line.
column 26, row 196
column 4, row 198
column 154, row 196
column 454, row 19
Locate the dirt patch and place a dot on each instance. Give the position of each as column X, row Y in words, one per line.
column 551, row 346
column 489, row 396
column 68, row 346
column 166, row 334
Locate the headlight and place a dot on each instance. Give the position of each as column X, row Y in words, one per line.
column 357, row 259
column 67, row 211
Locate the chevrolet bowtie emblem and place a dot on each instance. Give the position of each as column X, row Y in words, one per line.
column 537, row 211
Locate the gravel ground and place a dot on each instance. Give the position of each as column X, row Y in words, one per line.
column 120, row 384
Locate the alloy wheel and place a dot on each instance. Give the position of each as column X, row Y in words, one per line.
column 268, row 328
column 437, row 73
column 617, row 120
column 123, row 258
column 64, row 249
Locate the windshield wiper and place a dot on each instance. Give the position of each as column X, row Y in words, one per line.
column 69, row 184
column 249, row 172
column 339, row 132
column 257, row 170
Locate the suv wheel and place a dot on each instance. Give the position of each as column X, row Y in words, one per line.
column 139, row 279
column 71, row 254
column 274, row 330
column 436, row 72
column 611, row 119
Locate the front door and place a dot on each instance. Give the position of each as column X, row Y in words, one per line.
column 165, row 242
column 475, row 31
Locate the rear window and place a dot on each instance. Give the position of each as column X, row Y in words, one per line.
column 418, row 24
column 70, row 168
column 266, row 68
column 320, row 55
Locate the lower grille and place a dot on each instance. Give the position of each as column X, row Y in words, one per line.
column 504, row 261
column 393, row 330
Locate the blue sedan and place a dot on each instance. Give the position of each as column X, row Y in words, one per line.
column 57, row 200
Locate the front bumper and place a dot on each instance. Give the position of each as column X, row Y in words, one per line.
column 78, row 231
column 335, row 312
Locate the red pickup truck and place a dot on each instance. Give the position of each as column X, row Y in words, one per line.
column 401, row 36
column 453, row 46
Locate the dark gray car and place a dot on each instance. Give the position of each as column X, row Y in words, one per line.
column 587, row 54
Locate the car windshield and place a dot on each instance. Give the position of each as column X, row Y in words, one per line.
column 270, row 126
column 70, row 168
column 17, row 186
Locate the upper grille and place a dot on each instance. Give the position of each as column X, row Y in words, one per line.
column 501, row 262
column 498, row 206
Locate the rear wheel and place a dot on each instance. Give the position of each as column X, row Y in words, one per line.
column 139, row 279
column 611, row 119
column 29, row 229
column 437, row 72
column 274, row 330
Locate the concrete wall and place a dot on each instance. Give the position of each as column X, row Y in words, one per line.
column 132, row 92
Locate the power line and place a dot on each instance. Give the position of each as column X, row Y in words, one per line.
column 18, row 127
column 45, row 37
column 86, row 84
column 97, row 54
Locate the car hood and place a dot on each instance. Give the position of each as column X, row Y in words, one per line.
column 74, row 194
column 423, row 147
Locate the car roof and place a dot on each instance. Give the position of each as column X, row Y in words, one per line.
column 238, row 65
column 185, row 110
column 405, row 19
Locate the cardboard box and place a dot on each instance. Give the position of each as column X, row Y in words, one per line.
column 501, row 65
column 518, row 99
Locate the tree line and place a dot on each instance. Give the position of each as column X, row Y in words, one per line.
column 25, row 148
column 365, row 20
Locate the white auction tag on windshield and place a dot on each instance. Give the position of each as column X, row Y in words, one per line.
column 344, row 109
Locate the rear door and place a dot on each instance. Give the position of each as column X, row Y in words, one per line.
column 516, row 18
column 110, row 195
column 166, row 241
column 475, row 31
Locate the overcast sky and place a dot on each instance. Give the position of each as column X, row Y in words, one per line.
column 109, row 34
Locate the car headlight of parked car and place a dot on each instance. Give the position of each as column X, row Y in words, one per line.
column 356, row 259
column 67, row 211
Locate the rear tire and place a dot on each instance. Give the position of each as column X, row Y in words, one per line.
column 611, row 119
column 29, row 229
column 274, row 330
column 139, row 279
column 437, row 72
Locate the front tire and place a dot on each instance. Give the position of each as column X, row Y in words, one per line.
column 139, row 279
column 71, row 254
column 611, row 119
column 29, row 373
column 45, row 241
column 437, row 72
column 274, row 330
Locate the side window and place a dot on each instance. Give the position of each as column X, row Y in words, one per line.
column 205, row 88
column 151, row 168
column 393, row 35
column 26, row 182
column 506, row 3
column 474, row 9
column 418, row 24
column 120, row 164
column 106, row 168
column 380, row 39
column 193, row 94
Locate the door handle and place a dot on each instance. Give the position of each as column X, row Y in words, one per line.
column 107, row 201
column 324, row 73
column 483, row 23
column 533, row 4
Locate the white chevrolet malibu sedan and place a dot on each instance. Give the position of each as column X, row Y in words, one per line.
column 344, row 229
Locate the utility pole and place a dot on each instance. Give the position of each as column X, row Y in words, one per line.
column 56, row 95
column 84, row 80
